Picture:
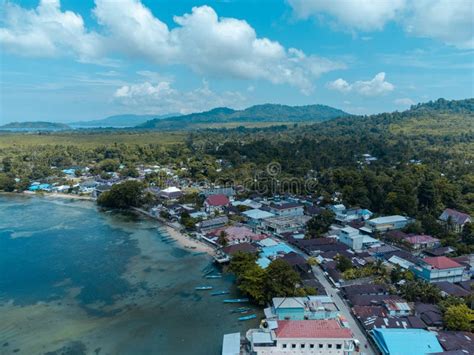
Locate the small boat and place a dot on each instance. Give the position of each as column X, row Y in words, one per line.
column 250, row 316
column 203, row 288
column 218, row 293
column 236, row 300
column 240, row 310
column 213, row 276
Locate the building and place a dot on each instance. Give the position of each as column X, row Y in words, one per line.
column 354, row 239
column 421, row 242
column 236, row 234
column 387, row 223
column 303, row 308
column 231, row 344
column 302, row 337
column 213, row 223
column 286, row 209
column 255, row 217
column 439, row 268
column 216, row 203
column 285, row 224
column 228, row 191
column 401, row 341
column 397, row 308
column 454, row 219
column 171, row 193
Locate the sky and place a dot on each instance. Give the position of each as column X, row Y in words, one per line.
column 71, row 60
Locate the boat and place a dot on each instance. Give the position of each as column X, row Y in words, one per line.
column 203, row 288
column 250, row 316
column 240, row 310
column 236, row 300
column 218, row 293
column 213, row 276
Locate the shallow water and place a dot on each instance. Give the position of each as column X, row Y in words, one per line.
column 74, row 278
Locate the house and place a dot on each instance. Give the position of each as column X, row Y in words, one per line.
column 387, row 223
column 304, row 308
column 421, row 242
column 213, row 223
column 241, row 247
column 216, row 203
column 353, row 214
column 171, row 193
column 99, row 189
column 452, row 340
column 285, row 224
column 231, row 344
column 297, row 262
column 392, row 341
column 397, row 308
column 286, row 209
column 228, row 191
column 236, row 234
column 354, row 239
column 454, row 219
column 451, row 289
column 256, row 216
column 302, row 337
column 439, row 268
column 366, row 289
column 430, row 314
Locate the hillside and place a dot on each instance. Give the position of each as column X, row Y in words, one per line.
column 128, row 120
column 259, row 113
column 36, row 125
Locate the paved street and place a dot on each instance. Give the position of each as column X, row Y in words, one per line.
column 345, row 311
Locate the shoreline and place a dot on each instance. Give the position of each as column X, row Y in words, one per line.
column 49, row 195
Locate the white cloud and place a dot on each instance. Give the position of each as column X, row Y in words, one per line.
column 209, row 45
column 451, row 22
column 404, row 102
column 47, row 32
column 375, row 87
column 161, row 97
column 446, row 20
column 362, row 15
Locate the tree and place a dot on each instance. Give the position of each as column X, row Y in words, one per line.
column 7, row 183
column 319, row 224
column 420, row 291
column 240, row 262
column 252, row 283
column 343, row 263
column 467, row 234
column 281, row 280
column 459, row 317
column 312, row 261
column 125, row 195
column 222, row 240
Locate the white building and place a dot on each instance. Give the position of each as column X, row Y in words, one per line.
column 387, row 223
column 302, row 337
column 354, row 239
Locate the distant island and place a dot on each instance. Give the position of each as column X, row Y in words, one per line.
column 35, row 125
column 255, row 114
column 120, row 121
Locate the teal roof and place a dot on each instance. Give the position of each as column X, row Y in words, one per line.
column 396, row 341
column 276, row 249
column 263, row 262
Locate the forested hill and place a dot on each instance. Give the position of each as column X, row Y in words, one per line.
column 35, row 126
column 258, row 113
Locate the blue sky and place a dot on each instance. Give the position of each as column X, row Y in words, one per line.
column 80, row 60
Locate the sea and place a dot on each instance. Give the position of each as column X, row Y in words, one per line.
column 75, row 279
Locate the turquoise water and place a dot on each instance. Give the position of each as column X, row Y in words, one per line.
column 104, row 283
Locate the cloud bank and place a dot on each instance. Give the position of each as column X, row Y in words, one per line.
column 375, row 87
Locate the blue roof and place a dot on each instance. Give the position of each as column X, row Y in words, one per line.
column 276, row 249
column 394, row 341
column 263, row 262
column 257, row 214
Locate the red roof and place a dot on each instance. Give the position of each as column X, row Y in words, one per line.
column 441, row 262
column 217, row 200
column 421, row 239
column 321, row 329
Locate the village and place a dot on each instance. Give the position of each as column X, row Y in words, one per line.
column 378, row 287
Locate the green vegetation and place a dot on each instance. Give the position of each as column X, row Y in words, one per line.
column 420, row 291
column 224, row 116
column 35, row 125
column 277, row 280
column 459, row 317
column 124, row 195
column 318, row 225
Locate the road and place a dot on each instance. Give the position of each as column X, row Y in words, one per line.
column 344, row 310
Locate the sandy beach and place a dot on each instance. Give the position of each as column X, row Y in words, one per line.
column 190, row 243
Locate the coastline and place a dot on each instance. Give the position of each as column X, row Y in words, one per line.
column 48, row 195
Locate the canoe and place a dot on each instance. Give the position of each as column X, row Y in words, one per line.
column 203, row 288
column 218, row 293
column 236, row 300
column 250, row 316
column 213, row 276
column 240, row 310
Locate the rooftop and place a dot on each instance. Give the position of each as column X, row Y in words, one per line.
column 455, row 216
column 441, row 262
column 321, row 329
column 421, row 239
column 406, row 341
column 257, row 214
column 217, row 200
column 388, row 219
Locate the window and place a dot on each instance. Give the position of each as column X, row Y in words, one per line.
column 329, row 346
column 302, row 346
column 293, row 346
column 311, row 346
column 283, row 346
column 321, row 346
column 338, row 346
